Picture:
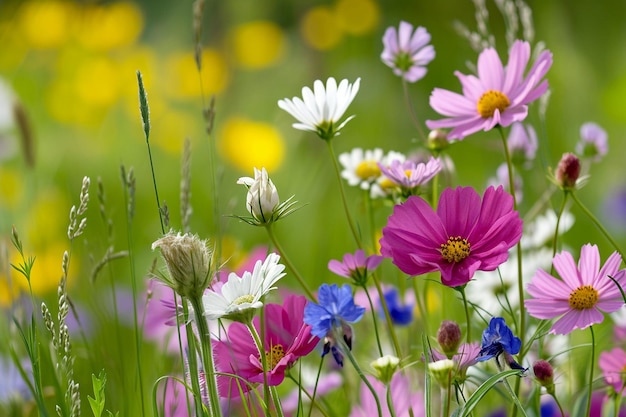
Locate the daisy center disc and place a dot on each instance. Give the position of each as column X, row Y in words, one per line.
column 274, row 355
column 490, row 101
column 455, row 249
column 243, row 299
column 367, row 169
column 583, row 298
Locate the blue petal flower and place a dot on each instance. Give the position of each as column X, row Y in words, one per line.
column 400, row 314
column 499, row 339
column 336, row 307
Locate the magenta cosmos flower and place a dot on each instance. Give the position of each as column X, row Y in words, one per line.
column 584, row 292
column 498, row 96
column 463, row 236
column 613, row 364
column 407, row 51
column 287, row 338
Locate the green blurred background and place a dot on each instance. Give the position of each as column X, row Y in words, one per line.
column 72, row 67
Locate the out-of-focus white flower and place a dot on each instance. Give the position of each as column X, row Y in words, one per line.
column 239, row 298
column 319, row 110
column 361, row 167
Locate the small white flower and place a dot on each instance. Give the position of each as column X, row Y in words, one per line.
column 320, row 110
column 361, row 167
column 262, row 199
column 239, row 297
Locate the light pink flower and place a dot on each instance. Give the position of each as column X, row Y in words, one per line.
column 407, row 51
column 355, row 266
column 410, row 174
column 593, row 141
column 583, row 294
column 499, row 95
column 613, row 365
column 403, row 398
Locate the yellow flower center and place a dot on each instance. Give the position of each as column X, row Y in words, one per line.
column 274, row 356
column 243, row 299
column 408, row 173
column 455, row 249
column 387, row 185
column 583, row 298
column 367, row 170
column 490, row 101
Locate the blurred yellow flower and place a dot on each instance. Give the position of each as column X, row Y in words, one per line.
column 171, row 127
column 46, row 221
column 257, row 44
column 247, row 144
column 320, row 28
column 182, row 80
column 105, row 27
column 11, row 188
column 97, row 82
column 46, row 24
column 357, row 17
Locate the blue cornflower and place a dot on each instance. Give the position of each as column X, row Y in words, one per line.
column 331, row 315
column 400, row 314
column 498, row 340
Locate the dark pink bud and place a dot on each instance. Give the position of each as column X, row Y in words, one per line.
column 567, row 171
column 449, row 337
column 544, row 374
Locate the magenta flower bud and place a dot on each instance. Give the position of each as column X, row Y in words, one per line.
column 449, row 337
column 544, row 374
column 567, row 171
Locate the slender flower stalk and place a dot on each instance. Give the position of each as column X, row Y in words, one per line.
column 591, row 369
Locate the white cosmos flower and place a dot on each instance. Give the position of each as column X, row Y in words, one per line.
column 320, row 109
column 240, row 297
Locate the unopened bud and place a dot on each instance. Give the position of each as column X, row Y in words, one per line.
column 449, row 337
column 385, row 367
column 442, row 371
column 544, row 374
column 438, row 140
column 568, row 171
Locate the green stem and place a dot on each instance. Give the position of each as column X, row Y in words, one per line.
column 392, row 411
column 390, row 327
column 409, row 104
column 598, row 225
column 317, row 379
column 346, row 350
column 374, row 321
column 288, row 262
column 192, row 363
column 558, row 404
column 260, row 346
column 556, row 230
column 467, row 315
column 343, row 196
column 207, row 355
column 591, row 366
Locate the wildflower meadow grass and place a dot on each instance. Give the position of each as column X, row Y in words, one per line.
column 347, row 209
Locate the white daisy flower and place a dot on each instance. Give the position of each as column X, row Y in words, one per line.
column 361, row 167
column 239, row 298
column 319, row 110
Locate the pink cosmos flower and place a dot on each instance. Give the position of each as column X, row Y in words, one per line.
column 287, row 339
column 355, row 266
column 463, row 236
column 410, row 174
column 593, row 141
column 407, row 51
column 497, row 96
column 403, row 398
column 583, row 294
column 464, row 358
column 613, row 365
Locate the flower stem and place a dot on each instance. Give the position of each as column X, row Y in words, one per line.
column 467, row 315
column 288, row 263
column 392, row 411
column 409, row 104
column 374, row 321
column 556, row 230
column 390, row 326
column 317, row 380
column 343, row 196
column 207, row 355
column 192, row 363
column 346, row 350
column 558, row 404
column 598, row 224
column 257, row 341
column 591, row 366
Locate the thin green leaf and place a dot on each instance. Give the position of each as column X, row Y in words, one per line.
column 478, row 395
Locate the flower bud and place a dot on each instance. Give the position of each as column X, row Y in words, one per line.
column 438, row 140
column 449, row 337
column 262, row 198
column 188, row 261
column 385, row 367
column 544, row 374
column 442, row 371
column 567, row 171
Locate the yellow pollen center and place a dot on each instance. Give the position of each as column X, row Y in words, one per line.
column 408, row 173
column 455, row 249
column 243, row 299
column 386, row 184
column 583, row 298
column 274, row 356
column 367, row 170
column 490, row 101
